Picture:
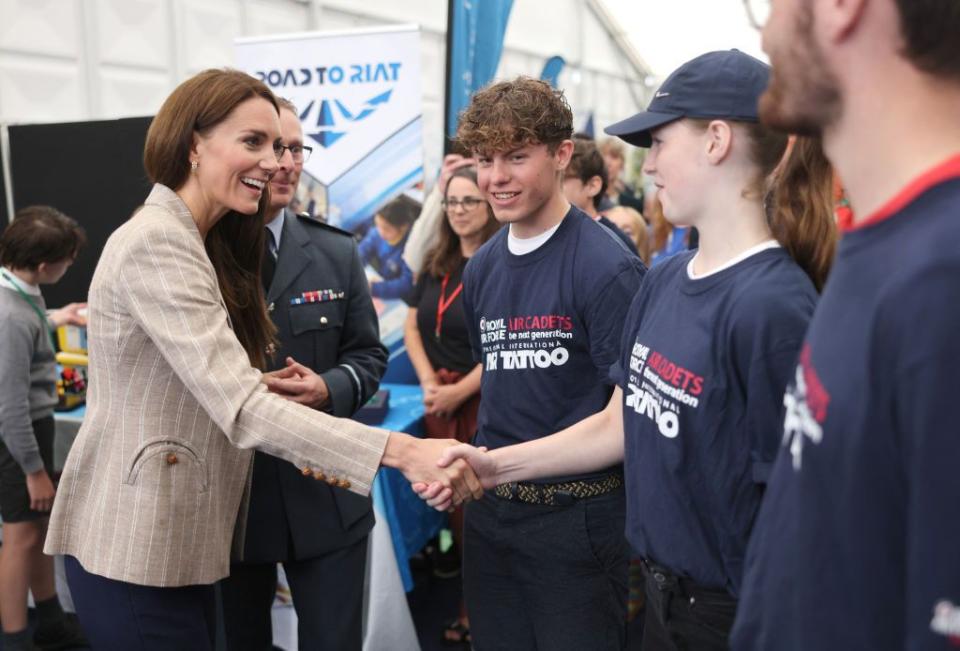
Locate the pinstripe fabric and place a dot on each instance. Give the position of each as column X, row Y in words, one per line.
column 168, row 376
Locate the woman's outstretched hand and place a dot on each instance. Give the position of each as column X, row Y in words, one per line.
column 483, row 464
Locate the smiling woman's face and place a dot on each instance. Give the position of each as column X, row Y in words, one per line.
column 237, row 157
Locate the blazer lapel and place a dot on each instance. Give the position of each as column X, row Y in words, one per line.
column 292, row 259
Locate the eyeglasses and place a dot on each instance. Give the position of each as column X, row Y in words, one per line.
column 299, row 153
column 758, row 11
column 467, row 203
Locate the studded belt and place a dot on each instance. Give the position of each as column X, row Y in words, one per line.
column 561, row 494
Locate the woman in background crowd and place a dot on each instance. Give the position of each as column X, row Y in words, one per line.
column 617, row 192
column 153, row 488
column 631, row 222
column 436, row 333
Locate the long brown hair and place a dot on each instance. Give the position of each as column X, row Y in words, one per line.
column 800, row 206
column 235, row 243
column 661, row 227
column 445, row 256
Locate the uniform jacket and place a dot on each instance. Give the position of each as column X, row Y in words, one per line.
column 292, row 516
column 155, row 481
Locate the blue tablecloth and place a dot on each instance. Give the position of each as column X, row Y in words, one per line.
column 412, row 523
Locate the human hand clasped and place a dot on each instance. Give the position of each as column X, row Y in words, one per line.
column 454, row 482
column 298, row 383
column 442, row 400
column 480, row 462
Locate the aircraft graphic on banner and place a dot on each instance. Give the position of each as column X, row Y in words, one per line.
column 327, row 123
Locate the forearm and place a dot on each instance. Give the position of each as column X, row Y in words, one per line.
column 469, row 384
column 397, row 450
column 594, row 443
column 393, row 288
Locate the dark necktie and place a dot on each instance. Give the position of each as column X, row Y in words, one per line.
column 269, row 266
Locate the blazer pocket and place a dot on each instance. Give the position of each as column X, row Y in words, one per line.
column 315, row 316
column 160, row 460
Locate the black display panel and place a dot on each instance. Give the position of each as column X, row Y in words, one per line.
column 92, row 171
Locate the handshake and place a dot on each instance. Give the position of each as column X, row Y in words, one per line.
column 443, row 473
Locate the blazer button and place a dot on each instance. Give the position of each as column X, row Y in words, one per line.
column 344, row 483
column 172, row 459
column 319, row 476
column 323, row 320
column 332, row 481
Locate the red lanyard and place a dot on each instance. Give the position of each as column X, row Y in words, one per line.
column 444, row 303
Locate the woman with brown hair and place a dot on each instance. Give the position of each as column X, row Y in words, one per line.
column 153, row 489
column 436, row 332
column 710, row 343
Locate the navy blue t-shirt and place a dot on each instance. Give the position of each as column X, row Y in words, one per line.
column 857, row 545
column 546, row 326
column 704, row 364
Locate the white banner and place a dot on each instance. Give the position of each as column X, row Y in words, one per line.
column 358, row 93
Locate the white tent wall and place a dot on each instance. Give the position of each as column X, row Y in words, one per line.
column 72, row 60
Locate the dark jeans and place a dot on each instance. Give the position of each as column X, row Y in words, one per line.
column 682, row 616
column 119, row 615
column 546, row 577
column 327, row 595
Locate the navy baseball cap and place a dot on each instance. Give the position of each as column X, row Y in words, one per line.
column 716, row 85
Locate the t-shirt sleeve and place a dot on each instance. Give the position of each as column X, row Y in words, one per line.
column 606, row 316
column 416, row 295
column 925, row 413
column 468, row 312
column 768, row 332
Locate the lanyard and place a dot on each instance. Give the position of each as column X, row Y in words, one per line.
column 43, row 317
column 444, row 303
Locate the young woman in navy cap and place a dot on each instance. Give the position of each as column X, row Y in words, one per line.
column 710, row 343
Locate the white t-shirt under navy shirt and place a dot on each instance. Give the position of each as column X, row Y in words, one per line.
column 857, row 545
column 546, row 326
column 704, row 364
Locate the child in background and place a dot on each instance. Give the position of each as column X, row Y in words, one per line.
column 584, row 184
column 36, row 249
column 382, row 248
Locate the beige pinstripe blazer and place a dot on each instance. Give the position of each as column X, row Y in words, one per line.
column 156, row 479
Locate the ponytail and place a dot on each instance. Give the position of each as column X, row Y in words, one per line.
column 800, row 203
